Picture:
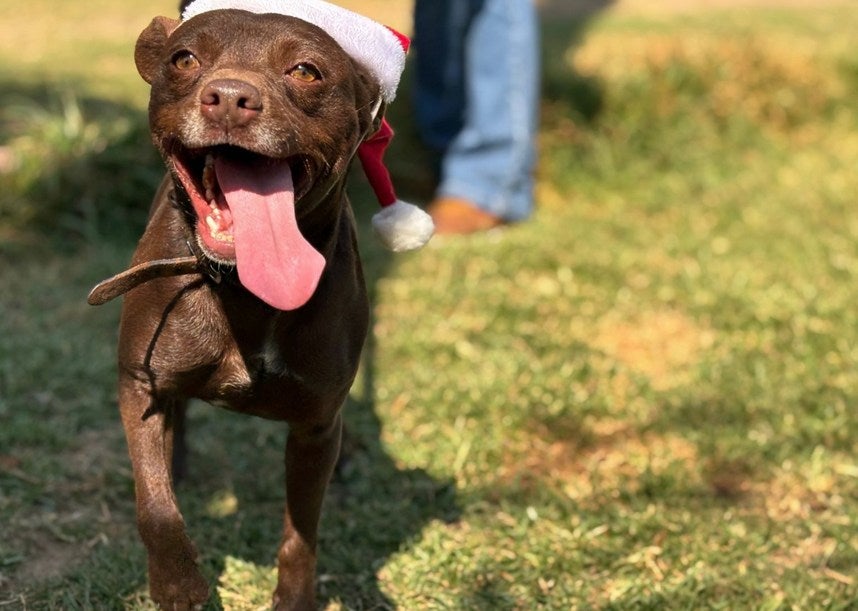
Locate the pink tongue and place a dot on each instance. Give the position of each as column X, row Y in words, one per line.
column 274, row 261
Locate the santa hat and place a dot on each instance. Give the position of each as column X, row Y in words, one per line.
column 381, row 50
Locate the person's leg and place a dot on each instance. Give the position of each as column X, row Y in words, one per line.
column 440, row 27
column 490, row 161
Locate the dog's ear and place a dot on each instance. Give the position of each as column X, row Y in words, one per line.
column 150, row 45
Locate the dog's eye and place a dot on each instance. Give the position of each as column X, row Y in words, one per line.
column 185, row 60
column 305, row 73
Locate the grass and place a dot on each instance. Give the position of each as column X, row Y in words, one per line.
column 642, row 398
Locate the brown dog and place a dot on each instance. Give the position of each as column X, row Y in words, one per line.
column 247, row 291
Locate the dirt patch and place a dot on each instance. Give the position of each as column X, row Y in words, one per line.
column 49, row 560
column 611, row 457
column 57, row 537
column 663, row 345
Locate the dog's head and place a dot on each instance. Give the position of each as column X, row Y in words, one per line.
column 257, row 117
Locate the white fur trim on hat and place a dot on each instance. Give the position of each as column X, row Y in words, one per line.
column 368, row 42
column 402, row 226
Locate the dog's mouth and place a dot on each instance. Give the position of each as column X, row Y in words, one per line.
column 244, row 204
column 196, row 171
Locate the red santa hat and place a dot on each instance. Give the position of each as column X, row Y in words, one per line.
column 400, row 226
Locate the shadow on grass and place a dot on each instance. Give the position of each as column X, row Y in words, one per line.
column 234, row 498
column 564, row 24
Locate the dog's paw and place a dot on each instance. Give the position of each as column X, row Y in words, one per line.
column 187, row 591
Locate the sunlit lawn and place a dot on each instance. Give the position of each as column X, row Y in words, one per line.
column 644, row 397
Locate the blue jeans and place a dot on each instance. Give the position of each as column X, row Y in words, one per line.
column 476, row 98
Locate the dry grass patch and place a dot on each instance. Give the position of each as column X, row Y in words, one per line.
column 664, row 346
column 607, row 460
column 767, row 82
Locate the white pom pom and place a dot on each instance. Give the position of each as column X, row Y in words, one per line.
column 402, row 226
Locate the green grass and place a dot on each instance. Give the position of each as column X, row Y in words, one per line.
column 642, row 398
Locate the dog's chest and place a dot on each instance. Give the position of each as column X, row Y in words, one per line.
column 222, row 354
column 254, row 349
column 257, row 381
column 251, row 363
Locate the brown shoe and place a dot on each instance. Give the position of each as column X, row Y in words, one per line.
column 453, row 216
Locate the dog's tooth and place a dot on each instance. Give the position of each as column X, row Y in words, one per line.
column 208, row 184
column 209, row 177
column 212, row 223
column 222, row 236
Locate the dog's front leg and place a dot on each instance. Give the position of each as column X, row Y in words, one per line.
column 175, row 582
column 311, row 454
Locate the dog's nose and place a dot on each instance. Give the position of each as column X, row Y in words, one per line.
column 230, row 102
